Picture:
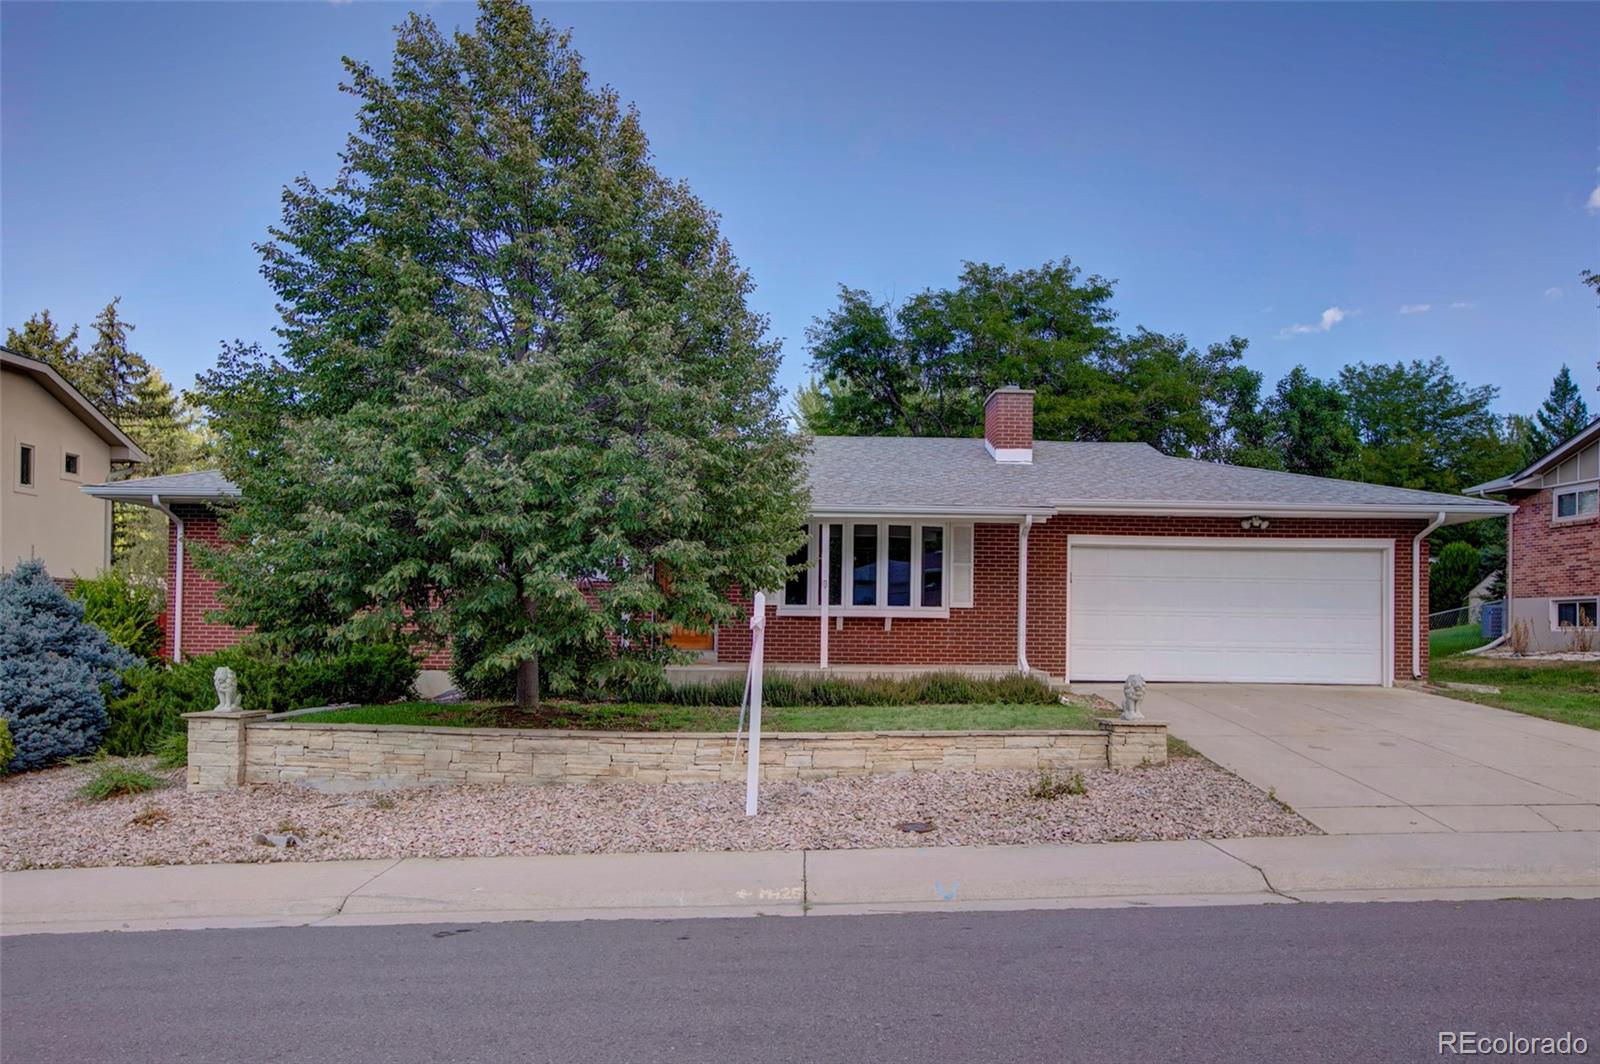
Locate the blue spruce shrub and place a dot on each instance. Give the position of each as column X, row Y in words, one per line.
column 53, row 666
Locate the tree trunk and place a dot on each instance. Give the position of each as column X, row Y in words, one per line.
column 528, row 668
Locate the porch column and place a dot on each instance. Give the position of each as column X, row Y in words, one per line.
column 1022, row 593
column 822, row 582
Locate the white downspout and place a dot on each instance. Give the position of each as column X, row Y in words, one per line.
column 177, row 581
column 1416, row 595
column 1022, row 593
column 822, row 583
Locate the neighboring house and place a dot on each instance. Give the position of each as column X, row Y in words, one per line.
column 1079, row 561
column 1554, row 560
column 54, row 442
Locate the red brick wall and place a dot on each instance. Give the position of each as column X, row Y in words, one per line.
column 986, row 634
column 1552, row 560
column 1008, row 419
column 201, row 634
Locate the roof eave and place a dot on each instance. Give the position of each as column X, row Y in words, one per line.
column 1542, row 464
column 111, row 493
column 123, row 447
column 1465, row 510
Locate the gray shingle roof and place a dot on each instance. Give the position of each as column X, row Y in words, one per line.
column 205, row 485
column 920, row 475
column 852, row 474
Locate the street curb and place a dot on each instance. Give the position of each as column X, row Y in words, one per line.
column 794, row 883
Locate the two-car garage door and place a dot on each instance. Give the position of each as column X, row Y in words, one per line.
column 1255, row 612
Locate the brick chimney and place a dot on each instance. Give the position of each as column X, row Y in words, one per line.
column 1008, row 424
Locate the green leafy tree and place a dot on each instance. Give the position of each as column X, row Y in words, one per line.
column 1246, row 431
column 1312, row 427
column 924, row 368
column 1418, row 426
column 517, row 364
column 1560, row 417
column 1453, row 575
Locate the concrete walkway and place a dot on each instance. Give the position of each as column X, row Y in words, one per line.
column 1358, row 760
column 674, row 885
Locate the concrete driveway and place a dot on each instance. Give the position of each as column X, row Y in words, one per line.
column 1370, row 759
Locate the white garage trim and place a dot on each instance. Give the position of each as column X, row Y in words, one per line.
column 1383, row 547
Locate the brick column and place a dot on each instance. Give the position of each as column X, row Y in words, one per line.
column 216, row 748
column 1131, row 743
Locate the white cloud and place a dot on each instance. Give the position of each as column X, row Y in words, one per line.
column 1462, row 304
column 1416, row 308
column 1552, row 293
column 1594, row 201
column 1330, row 317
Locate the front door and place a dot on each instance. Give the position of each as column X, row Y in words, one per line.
column 682, row 638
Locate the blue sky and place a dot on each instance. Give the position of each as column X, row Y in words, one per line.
column 1295, row 174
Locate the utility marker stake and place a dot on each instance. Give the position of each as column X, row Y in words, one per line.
column 758, row 632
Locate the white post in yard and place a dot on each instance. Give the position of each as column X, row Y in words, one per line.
column 822, row 583
column 758, row 635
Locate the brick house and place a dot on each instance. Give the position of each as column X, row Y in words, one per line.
column 1076, row 561
column 1554, row 557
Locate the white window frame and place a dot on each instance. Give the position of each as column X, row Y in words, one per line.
column 1577, row 600
column 845, row 608
column 1572, row 489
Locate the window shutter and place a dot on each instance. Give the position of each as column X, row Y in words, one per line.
column 960, row 574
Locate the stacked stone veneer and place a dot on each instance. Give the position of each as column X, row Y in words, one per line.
column 227, row 750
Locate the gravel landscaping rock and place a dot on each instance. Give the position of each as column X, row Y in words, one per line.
column 47, row 826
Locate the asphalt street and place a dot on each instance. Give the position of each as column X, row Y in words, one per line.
column 1371, row 982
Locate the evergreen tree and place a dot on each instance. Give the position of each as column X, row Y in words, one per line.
column 1561, row 416
column 56, row 665
column 517, row 363
column 41, row 338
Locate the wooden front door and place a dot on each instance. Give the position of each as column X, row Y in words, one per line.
column 684, row 638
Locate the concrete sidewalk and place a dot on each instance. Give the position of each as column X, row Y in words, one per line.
column 792, row 883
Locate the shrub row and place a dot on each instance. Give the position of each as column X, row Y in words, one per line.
column 128, row 612
column 938, row 688
column 155, row 697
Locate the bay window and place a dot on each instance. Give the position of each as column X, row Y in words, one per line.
column 896, row 567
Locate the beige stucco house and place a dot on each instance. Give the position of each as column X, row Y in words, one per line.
column 54, row 441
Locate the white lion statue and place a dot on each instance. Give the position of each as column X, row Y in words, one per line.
column 1132, row 695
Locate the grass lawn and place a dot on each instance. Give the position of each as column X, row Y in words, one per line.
column 634, row 716
column 1565, row 691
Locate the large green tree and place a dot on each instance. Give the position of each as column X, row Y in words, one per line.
column 517, row 365
column 1561, row 415
column 1418, row 426
column 923, row 368
column 1312, row 430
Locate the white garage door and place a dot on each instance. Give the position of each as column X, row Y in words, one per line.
column 1248, row 614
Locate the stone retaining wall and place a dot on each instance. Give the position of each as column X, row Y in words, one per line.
column 226, row 750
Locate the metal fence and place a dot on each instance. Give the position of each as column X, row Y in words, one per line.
column 1489, row 616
